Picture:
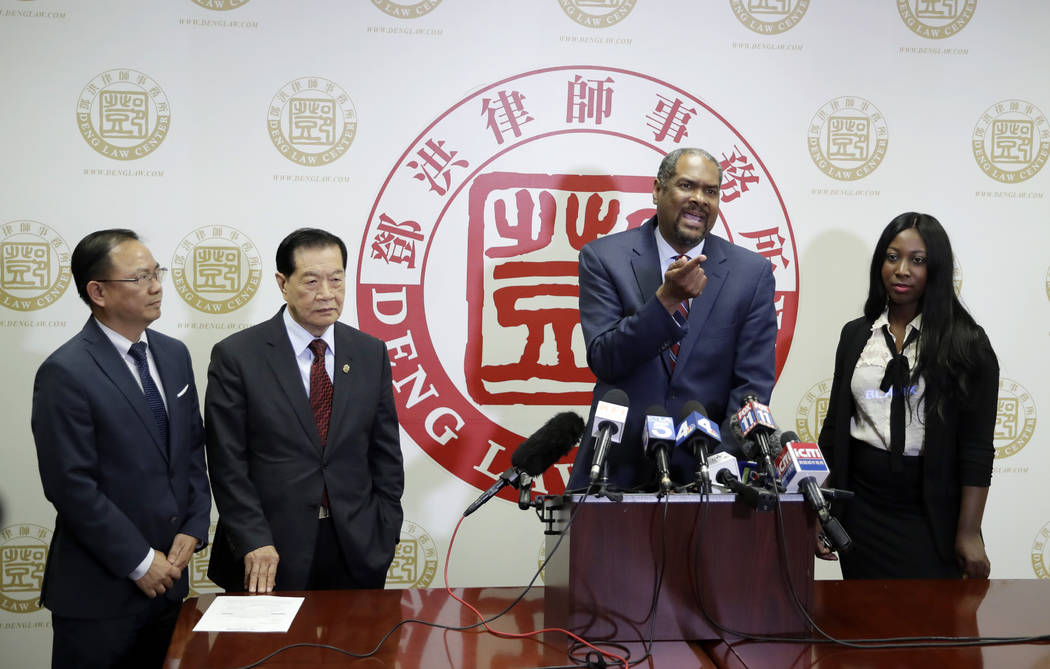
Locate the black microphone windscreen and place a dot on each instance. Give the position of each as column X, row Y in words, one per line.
column 616, row 396
column 657, row 410
column 734, row 427
column 549, row 444
column 690, row 407
column 787, row 438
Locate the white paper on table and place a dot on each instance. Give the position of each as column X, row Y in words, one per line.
column 258, row 613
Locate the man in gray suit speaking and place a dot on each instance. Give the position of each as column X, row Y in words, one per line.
column 303, row 444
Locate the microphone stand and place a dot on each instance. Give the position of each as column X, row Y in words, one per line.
column 525, row 492
column 604, row 488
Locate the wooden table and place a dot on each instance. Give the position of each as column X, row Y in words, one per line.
column 356, row 620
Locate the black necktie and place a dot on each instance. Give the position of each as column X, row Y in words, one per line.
column 896, row 377
column 149, row 388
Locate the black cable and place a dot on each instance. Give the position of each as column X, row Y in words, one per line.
column 869, row 643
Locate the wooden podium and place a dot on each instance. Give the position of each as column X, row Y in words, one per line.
column 723, row 563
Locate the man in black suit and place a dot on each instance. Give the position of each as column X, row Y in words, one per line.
column 120, row 446
column 303, row 443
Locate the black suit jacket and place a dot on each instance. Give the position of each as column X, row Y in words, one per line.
column 268, row 469
column 118, row 490
column 958, row 449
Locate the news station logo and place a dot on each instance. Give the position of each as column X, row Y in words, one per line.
column 415, row 559
column 23, row 554
column 597, row 13
column 769, row 17
column 311, row 121
column 197, row 569
column 847, row 138
column 936, row 19
column 468, row 263
column 406, row 10
column 800, row 459
column 123, row 114
column 812, row 409
column 216, row 269
column 34, row 265
column 1011, row 141
column 221, row 5
column 1041, row 552
column 1014, row 420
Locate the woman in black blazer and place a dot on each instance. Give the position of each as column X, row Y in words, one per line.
column 911, row 416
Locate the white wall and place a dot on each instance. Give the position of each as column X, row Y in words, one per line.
column 396, row 87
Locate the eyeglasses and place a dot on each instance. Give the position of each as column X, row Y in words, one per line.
column 143, row 278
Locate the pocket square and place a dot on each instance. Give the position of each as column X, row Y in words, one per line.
column 183, row 391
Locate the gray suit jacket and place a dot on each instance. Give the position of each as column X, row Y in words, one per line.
column 728, row 348
column 268, row 469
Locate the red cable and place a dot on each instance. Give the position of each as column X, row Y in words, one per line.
column 510, row 635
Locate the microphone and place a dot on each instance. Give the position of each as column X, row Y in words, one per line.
column 719, row 461
column 697, row 433
column 609, row 417
column 801, row 468
column 724, row 464
column 798, row 461
column 534, row 456
column 657, row 441
column 757, row 422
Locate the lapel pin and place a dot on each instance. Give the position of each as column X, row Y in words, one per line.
column 346, row 368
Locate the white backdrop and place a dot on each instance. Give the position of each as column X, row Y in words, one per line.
column 464, row 150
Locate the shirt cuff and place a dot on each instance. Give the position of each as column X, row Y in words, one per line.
column 143, row 567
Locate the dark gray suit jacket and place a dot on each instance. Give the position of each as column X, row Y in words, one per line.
column 118, row 490
column 268, row 469
column 728, row 348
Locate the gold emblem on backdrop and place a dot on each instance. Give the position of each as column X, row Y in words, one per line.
column 1015, row 418
column 957, row 277
column 220, row 5
column 406, row 10
column 34, row 265
column 216, row 269
column 1048, row 283
column 23, row 554
column 847, row 138
column 812, row 408
column 769, row 17
column 415, row 559
column 311, row 121
column 1011, row 141
column 197, row 569
column 936, row 19
column 1041, row 552
column 597, row 13
column 123, row 114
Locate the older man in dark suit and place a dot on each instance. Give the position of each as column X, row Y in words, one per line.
column 121, row 452
column 303, row 443
column 671, row 313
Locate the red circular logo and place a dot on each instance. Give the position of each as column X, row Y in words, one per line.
column 468, row 262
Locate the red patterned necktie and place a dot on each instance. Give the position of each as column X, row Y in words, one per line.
column 681, row 315
column 320, row 390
